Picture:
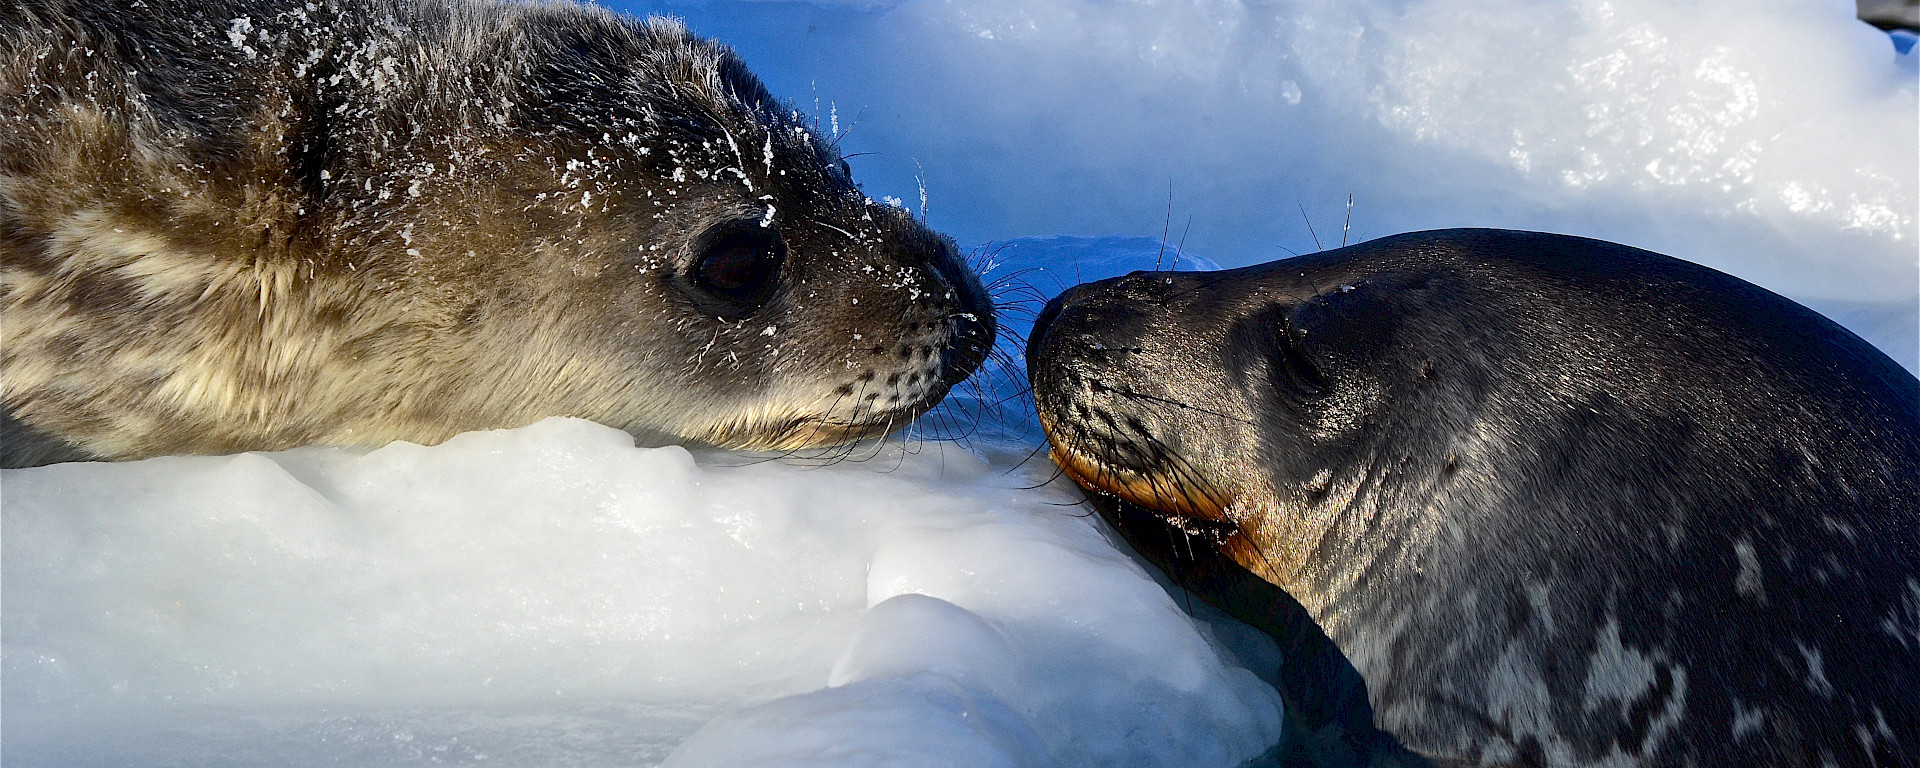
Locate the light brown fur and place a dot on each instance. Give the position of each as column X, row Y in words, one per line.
column 262, row 225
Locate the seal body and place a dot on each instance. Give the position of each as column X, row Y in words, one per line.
column 234, row 225
column 1557, row 501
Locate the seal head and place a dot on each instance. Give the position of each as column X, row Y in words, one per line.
column 1558, row 501
column 249, row 225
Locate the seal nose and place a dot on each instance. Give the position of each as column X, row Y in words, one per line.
column 1070, row 298
column 971, row 322
column 972, row 335
column 952, row 271
column 1111, row 299
column 1099, row 313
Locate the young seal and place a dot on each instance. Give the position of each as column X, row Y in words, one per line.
column 1557, row 501
column 232, row 225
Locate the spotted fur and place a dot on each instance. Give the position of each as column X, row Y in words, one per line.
column 234, row 225
column 1558, row 502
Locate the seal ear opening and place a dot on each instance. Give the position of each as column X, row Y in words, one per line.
column 1268, row 344
column 1347, row 329
column 1295, row 363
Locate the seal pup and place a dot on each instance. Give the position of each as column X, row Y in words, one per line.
column 1558, row 501
column 231, row 225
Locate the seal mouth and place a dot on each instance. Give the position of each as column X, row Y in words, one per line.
column 1178, row 496
column 813, row 432
column 799, row 433
column 1107, row 454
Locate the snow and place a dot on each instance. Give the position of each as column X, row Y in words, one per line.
column 556, row 596
column 417, row 604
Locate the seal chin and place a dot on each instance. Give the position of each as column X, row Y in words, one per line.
column 799, row 433
column 1181, row 498
column 808, row 433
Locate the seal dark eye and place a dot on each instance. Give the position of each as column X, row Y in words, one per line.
column 736, row 267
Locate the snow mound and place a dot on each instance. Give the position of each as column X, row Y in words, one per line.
column 554, row 595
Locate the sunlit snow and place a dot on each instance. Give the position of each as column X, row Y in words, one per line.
column 554, row 594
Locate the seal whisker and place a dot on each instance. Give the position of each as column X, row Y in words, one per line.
column 1165, row 227
column 1195, row 491
column 1180, row 247
column 1347, row 227
column 901, row 459
column 1303, row 217
column 1133, row 395
column 849, row 235
column 1031, row 455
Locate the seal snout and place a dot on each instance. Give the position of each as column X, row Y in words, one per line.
column 1111, row 432
column 972, row 334
column 971, row 324
column 1099, row 314
column 929, row 328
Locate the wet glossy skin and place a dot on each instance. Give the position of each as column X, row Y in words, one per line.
column 1557, row 501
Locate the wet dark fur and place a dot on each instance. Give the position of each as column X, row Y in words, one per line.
column 232, row 225
column 1558, row 501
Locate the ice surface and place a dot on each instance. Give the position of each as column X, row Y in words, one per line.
column 554, row 596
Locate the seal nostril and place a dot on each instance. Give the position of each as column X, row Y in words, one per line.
column 970, row 338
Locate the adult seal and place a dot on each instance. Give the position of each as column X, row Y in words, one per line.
column 234, row 225
column 1556, row 501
